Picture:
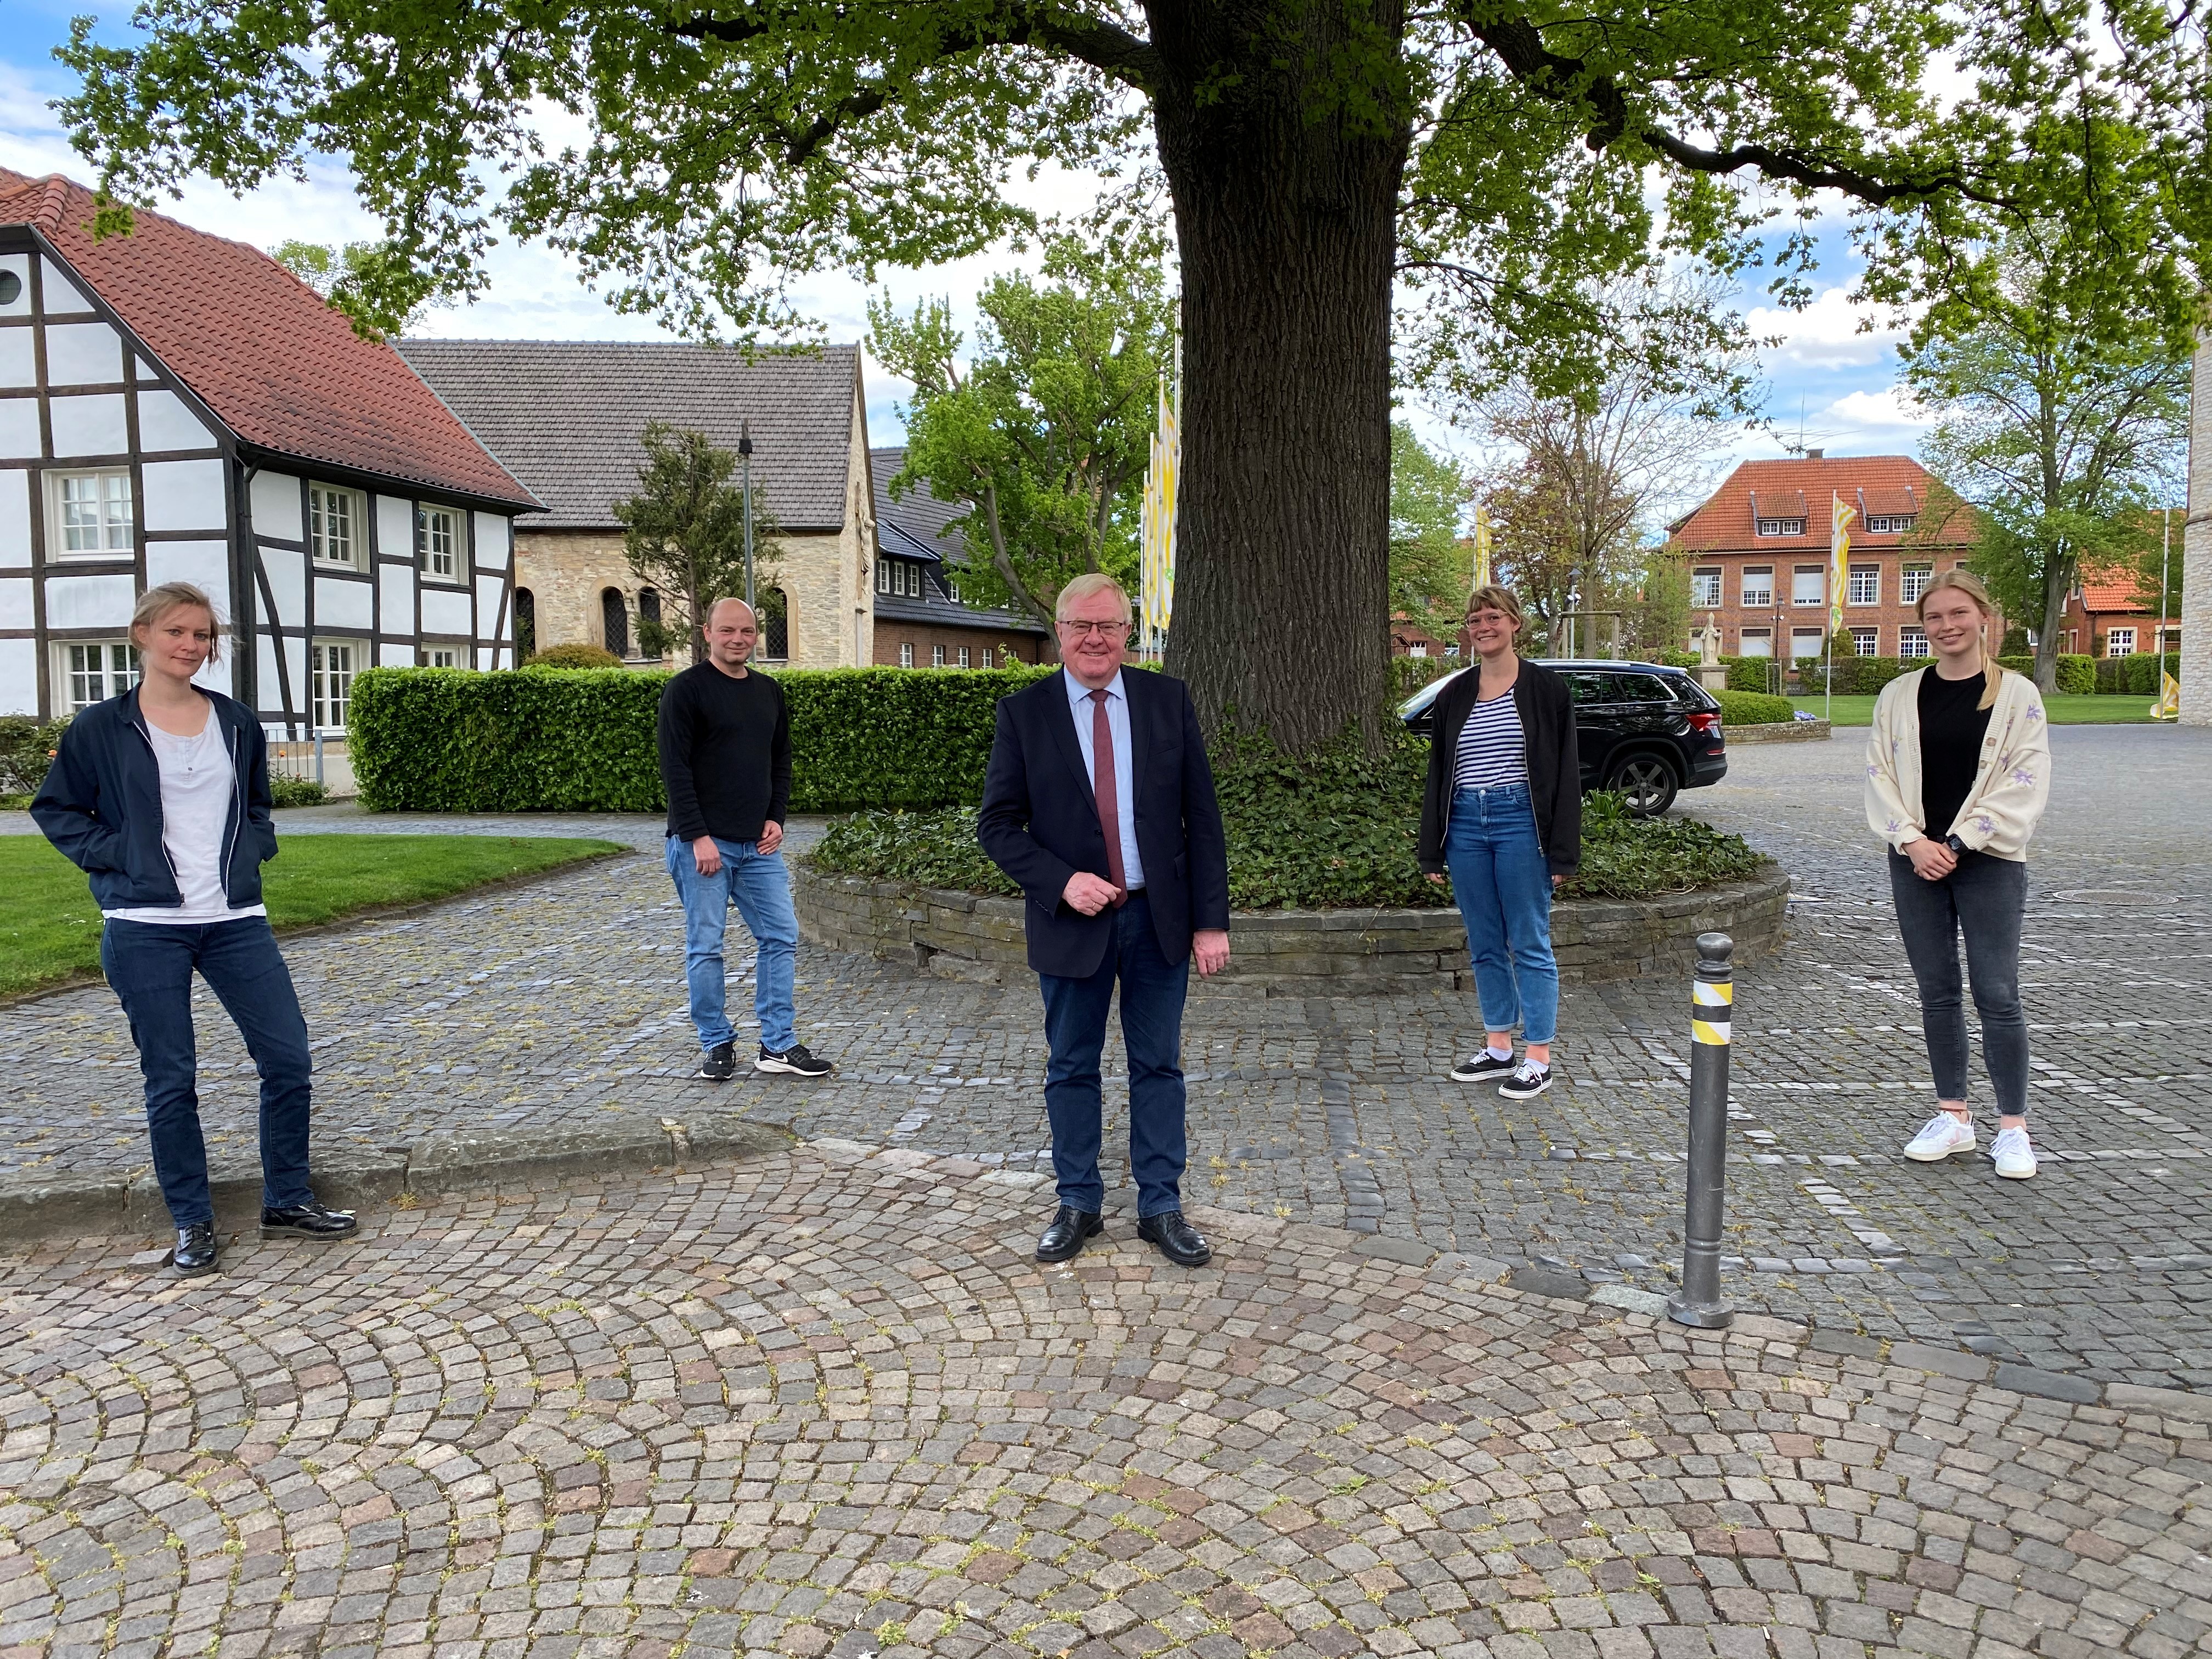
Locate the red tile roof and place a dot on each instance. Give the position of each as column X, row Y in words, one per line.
column 2114, row 587
column 280, row 368
column 1888, row 485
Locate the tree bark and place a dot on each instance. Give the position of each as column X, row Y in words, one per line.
column 1286, row 219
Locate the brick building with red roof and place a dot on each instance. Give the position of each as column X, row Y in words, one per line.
column 1757, row 556
column 175, row 406
column 2108, row 614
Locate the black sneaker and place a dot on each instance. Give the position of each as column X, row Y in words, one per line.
column 719, row 1064
column 1482, row 1066
column 1529, row 1080
column 796, row 1060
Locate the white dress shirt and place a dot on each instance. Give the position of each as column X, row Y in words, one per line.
column 1125, row 781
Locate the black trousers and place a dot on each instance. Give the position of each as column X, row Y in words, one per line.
column 1984, row 898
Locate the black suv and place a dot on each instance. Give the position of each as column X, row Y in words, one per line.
column 1646, row 731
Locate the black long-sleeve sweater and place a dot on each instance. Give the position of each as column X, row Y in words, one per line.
column 724, row 754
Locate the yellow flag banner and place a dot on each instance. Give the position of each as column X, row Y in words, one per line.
column 1839, row 553
column 1156, row 549
column 2168, row 706
column 1481, row 547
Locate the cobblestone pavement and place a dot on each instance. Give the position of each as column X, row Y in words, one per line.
column 562, row 1002
column 824, row 1403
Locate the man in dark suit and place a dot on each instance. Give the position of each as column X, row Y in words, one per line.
column 1099, row 802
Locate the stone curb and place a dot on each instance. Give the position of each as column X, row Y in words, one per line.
column 35, row 1208
column 1780, row 732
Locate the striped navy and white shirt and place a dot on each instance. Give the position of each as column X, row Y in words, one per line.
column 1492, row 751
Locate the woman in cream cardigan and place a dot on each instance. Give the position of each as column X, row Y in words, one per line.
column 1957, row 772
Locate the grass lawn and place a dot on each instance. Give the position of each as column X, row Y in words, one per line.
column 2062, row 710
column 50, row 931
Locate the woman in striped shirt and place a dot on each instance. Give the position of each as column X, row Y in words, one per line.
column 1503, row 813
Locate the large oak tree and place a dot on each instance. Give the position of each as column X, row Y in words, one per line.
column 1483, row 161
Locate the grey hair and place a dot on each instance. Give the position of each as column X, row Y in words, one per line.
column 1089, row 582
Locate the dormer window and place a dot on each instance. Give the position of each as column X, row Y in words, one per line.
column 1781, row 526
column 1891, row 524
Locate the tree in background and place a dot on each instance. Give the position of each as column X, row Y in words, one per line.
column 684, row 534
column 358, row 280
column 1046, row 432
column 1490, row 159
column 2062, row 420
column 1432, row 562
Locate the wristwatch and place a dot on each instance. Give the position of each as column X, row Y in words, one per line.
column 1954, row 843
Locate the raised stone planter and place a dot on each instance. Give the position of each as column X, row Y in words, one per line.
column 969, row 936
column 1780, row 732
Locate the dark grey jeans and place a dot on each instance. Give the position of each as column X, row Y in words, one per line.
column 1985, row 899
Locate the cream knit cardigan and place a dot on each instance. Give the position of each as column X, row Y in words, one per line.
column 2010, row 788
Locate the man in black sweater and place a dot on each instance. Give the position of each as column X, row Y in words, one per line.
column 724, row 741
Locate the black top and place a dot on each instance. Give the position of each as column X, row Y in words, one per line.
column 1555, row 771
column 1951, row 733
column 724, row 754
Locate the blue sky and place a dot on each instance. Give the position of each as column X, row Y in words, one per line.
column 1826, row 377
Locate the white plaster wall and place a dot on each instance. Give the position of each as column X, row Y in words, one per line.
column 395, row 527
column 83, row 354
column 395, row 585
column 90, row 601
column 494, row 539
column 18, row 429
column 183, row 495
column 275, row 498
column 15, row 518
column 341, row 604
column 389, row 655
column 286, row 569
column 147, row 371
column 2197, row 549
column 15, row 601
column 303, row 693
column 91, row 426
column 206, row 565
column 20, row 264
column 64, row 297
column 265, row 669
column 19, row 677
column 488, row 591
column 167, row 421
column 445, row 611
column 18, row 363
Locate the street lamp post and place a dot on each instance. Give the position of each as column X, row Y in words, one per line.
column 745, row 460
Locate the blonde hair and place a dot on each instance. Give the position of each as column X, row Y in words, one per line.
column 158, row 602
column 1491, row 597
column 1089, row 582
column 1966, row 581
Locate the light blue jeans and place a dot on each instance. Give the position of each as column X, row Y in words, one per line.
column 756, row 883
column 1503, row 882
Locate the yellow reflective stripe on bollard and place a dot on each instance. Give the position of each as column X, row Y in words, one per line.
column 1710, row 1006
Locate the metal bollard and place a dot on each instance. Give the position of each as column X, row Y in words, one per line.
column 1712, row 1003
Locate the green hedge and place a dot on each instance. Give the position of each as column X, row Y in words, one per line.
column 2135, row 675
column 2077, row 676
column 1751, row 674
column 453, row 740
column 1752, row 708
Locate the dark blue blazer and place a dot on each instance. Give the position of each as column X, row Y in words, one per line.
column 1039, row 821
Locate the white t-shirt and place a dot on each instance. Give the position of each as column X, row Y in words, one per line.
column 197, row 782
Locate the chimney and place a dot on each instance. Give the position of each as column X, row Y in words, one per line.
column 1816, row 454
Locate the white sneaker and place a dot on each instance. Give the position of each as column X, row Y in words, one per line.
column 2014, row 1158
column 1943, row 1135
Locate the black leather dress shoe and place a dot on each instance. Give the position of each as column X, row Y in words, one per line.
column 1063, row 1239
column 1180, row 1242
column 308, row 1220
column 195, row 1251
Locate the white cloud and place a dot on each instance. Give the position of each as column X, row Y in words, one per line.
column 1829, row 333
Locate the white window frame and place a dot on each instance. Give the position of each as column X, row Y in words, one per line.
column 987, row 656
column 1761, row 637
column 58, row 548
column 906, row 654
column 1746, row 592
column 112, row 679
column 1912, row 581
column 425, row 541
column 355, row 557
column 1866, row 641
column 936, row 656
column 1800, row 575
column 1913, row 644
column 1780, row 526
column 1798, row 636
column 2119, row 641
column 1891, row 524
column 431, row 652
column 1865, row 584
column 1706, row 589
column 883, row 575
column 323, row 660
column 963, row 657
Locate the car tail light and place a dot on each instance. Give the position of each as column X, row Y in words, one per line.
column 1707, row 723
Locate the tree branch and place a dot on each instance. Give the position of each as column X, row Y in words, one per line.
column 1105, row 46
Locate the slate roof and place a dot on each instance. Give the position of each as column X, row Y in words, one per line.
column 917, row 526
column 566, row 417
column 1888, row 485
column 285, row 372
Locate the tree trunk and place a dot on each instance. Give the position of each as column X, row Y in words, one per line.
column 2058, row 583
column 1287, row 218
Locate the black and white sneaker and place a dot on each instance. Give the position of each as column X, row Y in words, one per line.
column 720, row 1063
column 1484, row 1064
column 796, row 1060
column 1529, row 1080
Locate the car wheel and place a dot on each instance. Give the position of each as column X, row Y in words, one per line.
column 1646, row 783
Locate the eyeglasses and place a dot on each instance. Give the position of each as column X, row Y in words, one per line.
column 1084, row 630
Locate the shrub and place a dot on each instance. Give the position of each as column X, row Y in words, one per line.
column 2133, row 676
column 453, row 740
column 27, row 748
column 574, row 656
column 2018, row 664
column 2077, row 676
column 1751, row 674
column 2014, row 644
column 1676, row 659
column 296, row 792
column 1752, row 708
column 1336, row 832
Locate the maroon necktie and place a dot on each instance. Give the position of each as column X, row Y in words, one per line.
column 1102, row 786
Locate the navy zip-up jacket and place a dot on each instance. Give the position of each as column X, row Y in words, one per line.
column 102, row 804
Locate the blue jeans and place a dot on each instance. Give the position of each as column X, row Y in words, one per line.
column 1151, row 1032
column 150, row 964
column 757, row 883
column 1985, row 898
column 1503, row 882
